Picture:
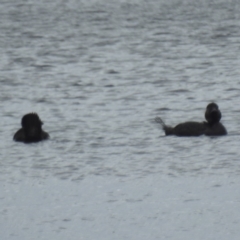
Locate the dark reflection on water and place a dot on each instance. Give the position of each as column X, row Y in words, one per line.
column 98, row 73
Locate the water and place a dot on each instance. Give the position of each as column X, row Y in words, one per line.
column 98, row 73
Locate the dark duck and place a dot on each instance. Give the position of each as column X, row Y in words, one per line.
column 31, row 130
column 212, row 127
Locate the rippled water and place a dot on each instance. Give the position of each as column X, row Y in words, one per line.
column 98, row 73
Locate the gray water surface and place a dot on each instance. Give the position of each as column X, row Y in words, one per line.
column 98, row 73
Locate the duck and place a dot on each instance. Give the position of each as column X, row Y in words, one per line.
column 211, row 127
column 31, row 130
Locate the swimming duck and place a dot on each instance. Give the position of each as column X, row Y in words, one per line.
column 31, row 130
column 212, row 127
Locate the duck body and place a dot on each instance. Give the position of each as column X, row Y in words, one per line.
column 22, row 136
column 186, row 129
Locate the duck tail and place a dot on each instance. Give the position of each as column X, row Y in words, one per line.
column 159, row 120
column 167, row 129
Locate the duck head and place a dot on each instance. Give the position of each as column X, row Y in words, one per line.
column 212, row 114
